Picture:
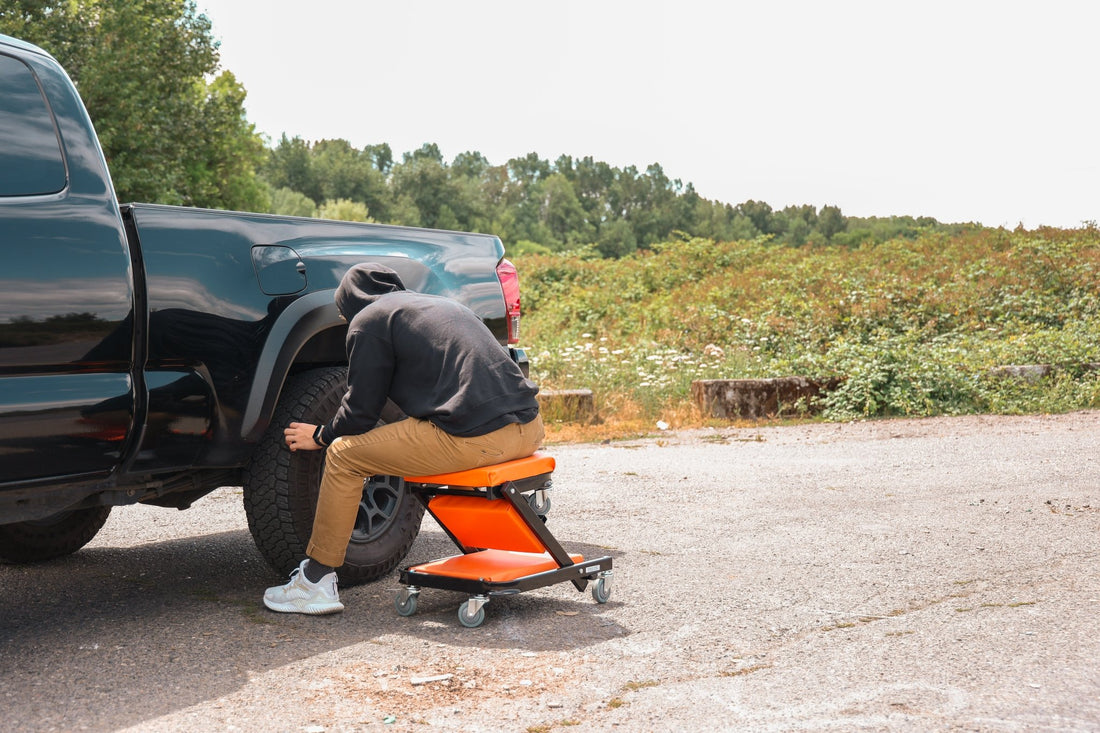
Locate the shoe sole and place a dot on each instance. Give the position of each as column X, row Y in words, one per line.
column 302, row 606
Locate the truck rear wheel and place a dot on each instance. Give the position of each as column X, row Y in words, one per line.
column 280, row 491
column 44, row 539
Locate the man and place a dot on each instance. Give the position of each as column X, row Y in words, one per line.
column 468, row 403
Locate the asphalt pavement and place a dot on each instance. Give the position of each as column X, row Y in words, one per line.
column 923, row 575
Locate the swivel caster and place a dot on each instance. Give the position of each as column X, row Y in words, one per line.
column 601, row 589
column 540, row 502
column 471, row 614
column 406, row 601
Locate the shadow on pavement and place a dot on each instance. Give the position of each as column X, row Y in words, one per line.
column 110, row 637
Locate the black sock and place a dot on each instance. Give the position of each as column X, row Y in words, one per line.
column 315, row 571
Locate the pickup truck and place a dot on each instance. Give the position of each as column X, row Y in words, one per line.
column 152, row 354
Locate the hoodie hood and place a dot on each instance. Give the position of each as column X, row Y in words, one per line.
column 362, row 285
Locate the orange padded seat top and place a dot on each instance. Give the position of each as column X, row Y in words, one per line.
column 494, row 475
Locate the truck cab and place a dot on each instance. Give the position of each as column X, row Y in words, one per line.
column 67, row 289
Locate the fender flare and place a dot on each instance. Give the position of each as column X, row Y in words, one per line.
column 302, row 320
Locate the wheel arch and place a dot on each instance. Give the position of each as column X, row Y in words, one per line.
column 310, row 328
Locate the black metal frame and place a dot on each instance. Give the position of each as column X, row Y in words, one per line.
column 511, row 491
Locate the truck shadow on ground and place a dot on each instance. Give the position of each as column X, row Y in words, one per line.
column 186, row 616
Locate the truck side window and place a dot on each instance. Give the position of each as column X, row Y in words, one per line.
column 30, row 154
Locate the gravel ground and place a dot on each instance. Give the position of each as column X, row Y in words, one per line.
column 922, row 575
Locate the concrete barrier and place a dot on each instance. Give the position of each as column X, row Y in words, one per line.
column 1037, row 372
column 568, row 405
column 757, row 398
column 760, row 398
column 1024, row 372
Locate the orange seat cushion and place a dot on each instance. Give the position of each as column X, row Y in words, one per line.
column 494, row 475
column 494, row 566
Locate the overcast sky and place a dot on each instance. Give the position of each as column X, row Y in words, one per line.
column 964, row 111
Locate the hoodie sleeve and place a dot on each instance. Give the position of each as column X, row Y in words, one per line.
column 370, row 371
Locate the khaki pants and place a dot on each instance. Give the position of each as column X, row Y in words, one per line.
column 408, row 447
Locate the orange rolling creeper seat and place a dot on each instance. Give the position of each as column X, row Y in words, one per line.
column 496, row 517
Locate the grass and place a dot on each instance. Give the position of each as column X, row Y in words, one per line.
column 913, row 327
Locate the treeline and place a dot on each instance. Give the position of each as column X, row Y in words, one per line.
column 174, row 130
column 536, row 205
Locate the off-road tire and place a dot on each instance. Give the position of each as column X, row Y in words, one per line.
column 44, row 539
column 281, row 487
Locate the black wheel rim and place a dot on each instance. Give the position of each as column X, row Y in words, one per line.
column 378, row 507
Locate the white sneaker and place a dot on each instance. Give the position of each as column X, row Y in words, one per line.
column 302, row 596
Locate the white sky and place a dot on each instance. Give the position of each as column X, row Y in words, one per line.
column 960, row 110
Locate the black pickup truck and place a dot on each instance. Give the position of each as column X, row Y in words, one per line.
column 151, row 354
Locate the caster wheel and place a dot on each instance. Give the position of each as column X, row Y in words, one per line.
column 601, row 591
column 542, row 508
column 408, row 607
column 470, row 620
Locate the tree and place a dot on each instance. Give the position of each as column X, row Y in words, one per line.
column 470, row 164
column 148, row 73
column 427, row 151
column 221, row 167
column 528, row 170
column 342, row 172
column 290, row 165
column 562, row 213
column 799, row 223
column 831, row 222
column 617, row 240
column 649, row 202
column 291, row 203
column 421, row 182
column 343, row 210
column 760, row 214
column 381, row 155
column 592, row 182
column 52, row 24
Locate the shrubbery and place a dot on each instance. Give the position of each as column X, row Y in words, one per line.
column 914, row 326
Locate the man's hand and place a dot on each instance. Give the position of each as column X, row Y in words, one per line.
column 299, row 436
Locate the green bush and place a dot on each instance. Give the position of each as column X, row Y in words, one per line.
column 913, row 325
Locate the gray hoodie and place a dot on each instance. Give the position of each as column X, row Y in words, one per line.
column 432, row 356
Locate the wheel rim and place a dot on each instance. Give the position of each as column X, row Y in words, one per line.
column 378, row 507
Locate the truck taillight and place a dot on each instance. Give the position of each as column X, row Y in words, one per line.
column 509, row 283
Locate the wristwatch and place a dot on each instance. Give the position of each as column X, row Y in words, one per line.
column 317, row 436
